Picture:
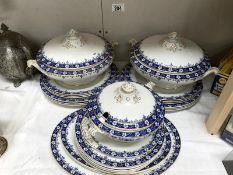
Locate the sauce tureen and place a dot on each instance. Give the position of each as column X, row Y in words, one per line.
column 75, row 58
column 126, row 111
column 169, row 60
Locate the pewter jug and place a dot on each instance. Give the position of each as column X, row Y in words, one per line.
column 15, row 50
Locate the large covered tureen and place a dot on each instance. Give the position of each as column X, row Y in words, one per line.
column 126, row 111
column 75, row 58
column 170, row 61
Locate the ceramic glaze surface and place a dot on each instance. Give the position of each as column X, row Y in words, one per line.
column 57, row 52
column 120, row 109
column 154, row 50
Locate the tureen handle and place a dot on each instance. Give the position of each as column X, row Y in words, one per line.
column 211, row 70
column 172, row 42
column 31, row 63
column 132, row 41
column 73, row 39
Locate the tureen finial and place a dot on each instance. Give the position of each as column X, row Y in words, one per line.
column 127, row 94
column 73, row 39
column 172, row 42
column 128, row 87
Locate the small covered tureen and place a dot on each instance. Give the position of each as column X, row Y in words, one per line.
column 170, row 61
column 75, row 58
column 126, row 111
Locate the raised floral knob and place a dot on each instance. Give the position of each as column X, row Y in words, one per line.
column 73, row 39
column 128, row 87
column 127, row 94
column 172, row 42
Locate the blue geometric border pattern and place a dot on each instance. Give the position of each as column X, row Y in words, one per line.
column 44, row 60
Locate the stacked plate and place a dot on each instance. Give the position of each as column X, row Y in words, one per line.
column 183, row 99
column 79, row 95
column 117, row 144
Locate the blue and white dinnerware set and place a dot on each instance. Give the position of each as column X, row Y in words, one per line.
column 122, row 130
column 120, row 127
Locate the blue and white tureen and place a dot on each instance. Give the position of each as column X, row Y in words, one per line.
column 75, row 58
column 126, row 111
column 170, row 61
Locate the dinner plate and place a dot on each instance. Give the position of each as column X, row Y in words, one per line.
column 57, row 89
column 67, row 102
column 76, row 97
column 184, row 99
column 98, row 158
column 80, row 167
column 108, row 146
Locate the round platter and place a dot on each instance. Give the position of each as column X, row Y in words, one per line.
column 96, row 158
column 79, row 167
column 109, row 147
column 78, row 96
column 172, row 101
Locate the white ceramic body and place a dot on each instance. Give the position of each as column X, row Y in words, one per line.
column 69, row 80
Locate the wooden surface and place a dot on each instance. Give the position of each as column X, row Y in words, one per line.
column 222, row 108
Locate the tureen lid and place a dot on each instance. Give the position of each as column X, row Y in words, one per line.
column 171, row 50
column 74, row 48
column 127, row 101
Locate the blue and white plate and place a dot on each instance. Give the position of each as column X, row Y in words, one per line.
column 68, row 139
column 172, row 101
column 55, row 88
column 76, row 165
column 98, row 158
column 79, row 96
column 109, row 147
